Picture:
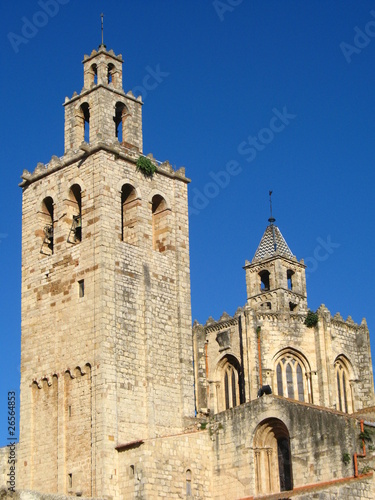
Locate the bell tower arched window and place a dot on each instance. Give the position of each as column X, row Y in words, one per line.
column 94, row 70
column 161, row 224
column 289, row 277
column 48, row 226
column 121, row 113
column 129, row 204
column 264, row 280
column 93, row 75
column 84, row 119
column 90, row 77
column 110, row 73
column 75, row 208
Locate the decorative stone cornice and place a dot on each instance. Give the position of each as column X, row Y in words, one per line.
column 281, row 316
column 102, row 50
column 86, row 150
column 258, row 265
column 86, row 92
column 220, row 325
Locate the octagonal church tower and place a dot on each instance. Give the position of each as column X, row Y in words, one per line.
column 106, row 318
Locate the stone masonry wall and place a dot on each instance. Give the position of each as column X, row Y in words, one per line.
column 171, row 467
column 352, row 342
column 318, row 440
column 363, row 489
column 132, row 326
column 44, row 420
column 59, row 328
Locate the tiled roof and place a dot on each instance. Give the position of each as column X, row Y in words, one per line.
column 272, row 243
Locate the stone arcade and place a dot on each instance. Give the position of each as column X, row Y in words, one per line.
column 117, row 400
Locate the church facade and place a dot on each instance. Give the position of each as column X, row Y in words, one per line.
column 119, row 399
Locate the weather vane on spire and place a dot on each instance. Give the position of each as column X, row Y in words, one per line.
column 271, row 220
column 102, row 16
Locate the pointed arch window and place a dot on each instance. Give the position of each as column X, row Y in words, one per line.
column 292, row 378
column 231, row 386
column 230, row 393
column 343, row 387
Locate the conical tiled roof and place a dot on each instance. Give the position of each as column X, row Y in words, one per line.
column 272, row 243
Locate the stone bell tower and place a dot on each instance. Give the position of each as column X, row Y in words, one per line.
column 90, row 115
column 106, row 321
column 275, row 280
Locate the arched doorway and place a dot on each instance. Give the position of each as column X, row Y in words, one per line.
column 272, row 457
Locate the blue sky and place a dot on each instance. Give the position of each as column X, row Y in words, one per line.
column 220, row 74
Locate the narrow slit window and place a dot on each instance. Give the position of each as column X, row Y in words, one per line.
column 70, row 480
column 81, row 288
column 188, row 483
